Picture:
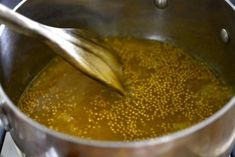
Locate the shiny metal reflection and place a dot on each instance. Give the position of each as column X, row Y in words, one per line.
column 161, row 4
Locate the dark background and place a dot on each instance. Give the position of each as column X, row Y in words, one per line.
column 10, row 3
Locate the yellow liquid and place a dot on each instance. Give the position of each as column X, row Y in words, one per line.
column 168, row 91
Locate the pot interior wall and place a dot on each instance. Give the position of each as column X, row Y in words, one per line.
column 193, row 25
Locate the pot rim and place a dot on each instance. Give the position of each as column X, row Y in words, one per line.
column 112, row 144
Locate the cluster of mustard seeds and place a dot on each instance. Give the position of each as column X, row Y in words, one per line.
column 168, row 90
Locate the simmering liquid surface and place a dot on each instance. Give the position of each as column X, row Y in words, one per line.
column 168, row 91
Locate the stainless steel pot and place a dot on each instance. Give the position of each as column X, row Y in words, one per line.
column 205, row 28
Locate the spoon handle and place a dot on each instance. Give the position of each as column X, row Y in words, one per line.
column 21, row 24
